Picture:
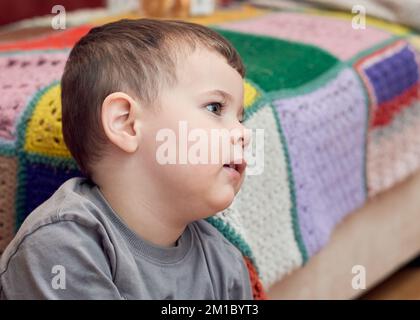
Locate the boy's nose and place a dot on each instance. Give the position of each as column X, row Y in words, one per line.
column 241, row 136
column 246, row 137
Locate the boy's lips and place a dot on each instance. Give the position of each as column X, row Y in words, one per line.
column 235, row 170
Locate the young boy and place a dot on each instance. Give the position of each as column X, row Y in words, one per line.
column 134, row 228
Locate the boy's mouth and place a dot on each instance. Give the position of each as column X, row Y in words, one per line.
column 235, row 169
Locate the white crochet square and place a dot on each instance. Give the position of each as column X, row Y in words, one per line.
column 261, row 212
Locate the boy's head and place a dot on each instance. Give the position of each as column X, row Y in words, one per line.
column 127, row 82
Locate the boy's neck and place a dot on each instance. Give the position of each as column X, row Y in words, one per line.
column 144, row 216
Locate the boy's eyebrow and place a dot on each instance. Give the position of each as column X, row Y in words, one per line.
column 223, row 94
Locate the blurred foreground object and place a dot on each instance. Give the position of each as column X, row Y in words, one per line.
column 13, row 11
column 177, row 8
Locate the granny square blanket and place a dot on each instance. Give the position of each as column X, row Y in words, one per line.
column 339, row 107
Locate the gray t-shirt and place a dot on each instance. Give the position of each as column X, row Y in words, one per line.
column 74, row 246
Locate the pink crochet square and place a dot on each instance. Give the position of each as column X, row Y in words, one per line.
column 21, row 76
column 334, row 35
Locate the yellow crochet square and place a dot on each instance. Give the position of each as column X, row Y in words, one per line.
column 43, row 133
column 250, row 94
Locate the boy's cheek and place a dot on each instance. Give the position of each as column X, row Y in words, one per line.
column 239, row 185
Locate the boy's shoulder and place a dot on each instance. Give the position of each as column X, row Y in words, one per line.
column 224, row 260
column 73, row 200
column 215, row 241
column 69, row 205
column 63, row 234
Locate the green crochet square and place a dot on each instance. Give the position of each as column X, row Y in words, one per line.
column 276, row 64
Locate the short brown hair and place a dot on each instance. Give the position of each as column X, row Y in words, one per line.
column 135, row 56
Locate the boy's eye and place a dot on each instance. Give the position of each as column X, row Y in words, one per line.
column 215, row 107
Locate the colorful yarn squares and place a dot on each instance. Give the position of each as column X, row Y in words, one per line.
column 275, row 250
column 371, row 22
column 56, row 39
column 251, row 94
column 40, row 182
column 43, row 132
column 394, row 150
column 391, row 76
column 21, row 77
column 324, row 132
column 334, row 35
column 274, row 64
column 8, row 177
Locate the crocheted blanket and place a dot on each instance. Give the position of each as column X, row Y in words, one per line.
column 340, row 108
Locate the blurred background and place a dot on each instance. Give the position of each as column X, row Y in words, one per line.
column 406, row 12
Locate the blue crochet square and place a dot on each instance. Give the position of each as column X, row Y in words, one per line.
column 393, row 75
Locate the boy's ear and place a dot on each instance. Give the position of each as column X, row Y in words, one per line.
column 119, row 116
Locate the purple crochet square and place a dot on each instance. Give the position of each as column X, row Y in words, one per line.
column 325, row 138
column 21, row 76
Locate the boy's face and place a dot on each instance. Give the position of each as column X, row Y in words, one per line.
column 195, row 102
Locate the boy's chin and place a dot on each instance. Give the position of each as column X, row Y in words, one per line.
column 222, row 199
